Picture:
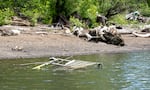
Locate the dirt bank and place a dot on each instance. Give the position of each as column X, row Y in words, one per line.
column 62, row 45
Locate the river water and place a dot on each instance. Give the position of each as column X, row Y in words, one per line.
column 123, row 71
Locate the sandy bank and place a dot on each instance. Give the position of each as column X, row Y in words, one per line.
column 61, row 45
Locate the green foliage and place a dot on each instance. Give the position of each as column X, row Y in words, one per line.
column 38, row 9
column 46, row 11
column 145, row 10
column 119, row 19
column 148, row 2
column 104, row 5
column 5, row 16
column 76, row 22
column 95, row 24
column 33, row 16
column 70, row 6
column 88, row 9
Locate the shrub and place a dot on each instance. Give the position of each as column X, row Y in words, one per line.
column 76, row 22
column 5, row 16
column 119, row 19
column 146, row 12
column 33, row 16
column 88, row 9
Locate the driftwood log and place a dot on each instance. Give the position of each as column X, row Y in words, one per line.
column 108, row 38
column 103, row 36
column 146, row 35
column 114, row 39
column 4, row 32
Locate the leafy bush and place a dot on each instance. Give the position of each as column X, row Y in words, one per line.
column 5, row 16
column 76, row 22
column 146, row 11
column 36, row 9
column 33, row 16
column 49, row 10
column 119, row 19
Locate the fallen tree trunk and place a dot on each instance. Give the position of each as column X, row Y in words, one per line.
column 100, row 35
column 114, row 39
column 146, row 35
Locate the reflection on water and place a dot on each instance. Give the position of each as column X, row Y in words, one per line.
column 126, row 71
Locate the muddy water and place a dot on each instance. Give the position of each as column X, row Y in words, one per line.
column 125, row 71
